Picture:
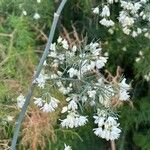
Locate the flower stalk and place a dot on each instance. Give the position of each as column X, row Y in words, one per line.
column 113, row 146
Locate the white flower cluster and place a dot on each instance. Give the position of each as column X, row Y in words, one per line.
column 124, row 94
column 20, row 101
column 47, row 106
column 131, row 14
column 74, row 120
column 77, row 73
column 41, row 80
column 96, row 59
column 129, row 17
column 107, row 126
column 82, row 82
column 89, row 59
column 106, row 14
column 36, row 16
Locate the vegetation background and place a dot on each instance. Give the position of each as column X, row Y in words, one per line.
column 22, row 40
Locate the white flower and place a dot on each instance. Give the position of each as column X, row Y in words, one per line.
column 73, row 120
column 108, row 129
column 67, row 147
column 69, row 121
column 24, row 12
column 128, row 21
column 92, row 103
column 127, row 5
column 125, row 20
column 36, row 16
column 64, row 109
column 53, row 54
column 54, row 102
column 41, row 79
column 72, row 72
column 95, row 48
column 101, row 62
column 53, row 76
column 106, row 54
column 140, row 53
column 123, row 95
column 126, row 30
column 38, row 101
column 99, row 120
column 65, row 44
column 111, row 31
column 74, row 48
column 147, row 77
column 136, row 7
column 107, row 23
column 45, row 63
column 112, row 1
column 20, row 101
column 47, row 108
column 102, row 113
column 10, row 118
column 64, row 90
column 72, row 105
column 92, row 94
column 123, row 85
column 59, row 40
column 105, row 11
column 137, row 59
column 147, row 35
column 50, row 107
column 84, row 99
column 55, row 64
column 80, row 121
column 91, row 65
column 124, row 49
column 141, row 13
column 139, row 30
column 96, row 10
column 38, row 1
column 61, row 57
column 53, row 47
column 94, row 45
column 134, row 34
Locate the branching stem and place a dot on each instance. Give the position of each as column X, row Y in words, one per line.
column 39, row 68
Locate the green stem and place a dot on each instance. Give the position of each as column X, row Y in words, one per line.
column 39, row 68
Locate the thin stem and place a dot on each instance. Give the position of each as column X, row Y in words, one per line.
column 113, row 146
column 39, row 68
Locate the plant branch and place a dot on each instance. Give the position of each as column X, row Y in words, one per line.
column 113, row 146
column 39, row 68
